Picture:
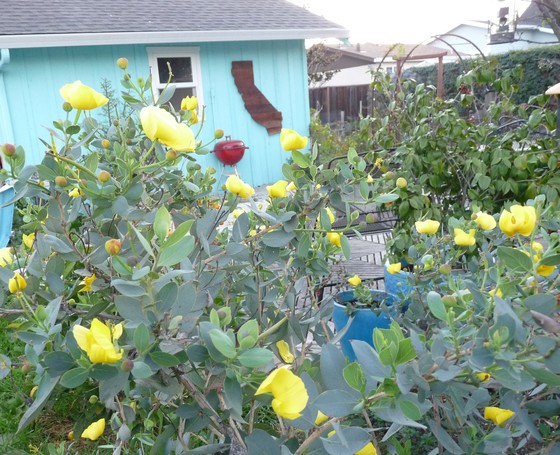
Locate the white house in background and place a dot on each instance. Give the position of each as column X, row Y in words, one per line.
column 528, row 31
column 355, row 62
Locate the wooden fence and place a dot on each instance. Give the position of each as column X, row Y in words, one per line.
column 339, row 104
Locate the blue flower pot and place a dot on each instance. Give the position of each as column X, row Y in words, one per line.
column 399, row 284
column 364, row 322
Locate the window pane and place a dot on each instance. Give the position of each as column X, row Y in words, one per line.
column 178, row 96
column 181, row 68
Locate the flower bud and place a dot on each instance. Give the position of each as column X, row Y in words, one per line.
column 171, row 155
column 210, row 170
column 106, row 143
column 127, row 365
column 66, row 106
column 218, row 134
column 445, row 269
column 401, row 182
column 122, row 63
column 104, row 176
column 389, row 175
column 60, row 180
column 113, row 246
column 132, row 261
column 93, row 399
column 41, row 313
column 371, row 218
column 115, row 123
column 9, row 149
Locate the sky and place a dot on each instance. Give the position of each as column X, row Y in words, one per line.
column 404, row 21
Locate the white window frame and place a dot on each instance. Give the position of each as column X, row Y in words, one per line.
column 191, row 52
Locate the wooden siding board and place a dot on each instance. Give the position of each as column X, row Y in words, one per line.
column 34, row 76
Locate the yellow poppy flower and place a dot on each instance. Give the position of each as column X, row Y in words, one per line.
column 82, row 97
column 290, row 140
column 28, row 240
column 291, row 186
column 88, row 281
column 279, row 189
column 464, row 239
column 6, row 257
column 518, row 220
column 284, row 351
column 160, row 125
column 288, row 390
column 17, row 283
column 334, row 238
column 98, row 341
column 427, row 227
column 94, row 430
column 355, row 280
column 394, row 268
column 189, row 103
column 497, row 415
column 485, row 221
column 238, row 187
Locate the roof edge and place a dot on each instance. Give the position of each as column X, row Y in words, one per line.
column 98, row 39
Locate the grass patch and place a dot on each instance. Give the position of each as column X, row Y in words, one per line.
column 67, row 410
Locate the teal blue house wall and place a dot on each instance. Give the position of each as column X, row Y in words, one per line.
column 30, row 79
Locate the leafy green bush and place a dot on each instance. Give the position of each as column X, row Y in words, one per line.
column 540, row 71
column 463, row 154
column 186, row 322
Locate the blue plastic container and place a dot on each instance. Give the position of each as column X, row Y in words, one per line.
column 399, row 284
column 365, row 320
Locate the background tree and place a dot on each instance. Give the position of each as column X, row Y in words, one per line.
column 319, row 60
column 550, row 9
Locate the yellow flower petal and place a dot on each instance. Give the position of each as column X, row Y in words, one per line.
column 497, row 415
column 290, row 140
column 394, row 268
column 160, row 125
column 76, row 192
column 94, row 430
column 334, row 238
column 321, row 418
column 427, row 227
column 279, row 189
column 484, row 377
column 6, row 257
column 189, row 103
column 97, row 341
column 464, row 239
column 28, row 240
column 288, row 390
column 485, row 221
column 17, row 283
column 368, row 449
column 284, row 351
column 518, row 220
column 355, row 280
column 498, row 292
column 87, row 282
column 82, row 97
